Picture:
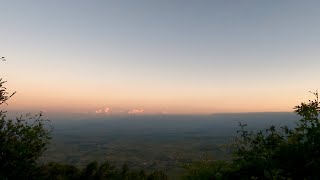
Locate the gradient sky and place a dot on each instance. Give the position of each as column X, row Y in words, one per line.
column 161, row 56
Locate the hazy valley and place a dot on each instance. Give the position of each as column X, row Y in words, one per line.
column 152, row 142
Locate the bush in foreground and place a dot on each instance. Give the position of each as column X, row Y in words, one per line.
column 271, row 153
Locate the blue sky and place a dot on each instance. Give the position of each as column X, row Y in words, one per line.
column 161, row 56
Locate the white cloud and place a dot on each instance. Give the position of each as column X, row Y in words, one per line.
column 103, row 110
column 98, row 111
column 136, row 111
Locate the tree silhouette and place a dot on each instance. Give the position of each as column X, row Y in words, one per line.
column 4, row 95
column 271, row 153
column 22, row 141
column 282, row 152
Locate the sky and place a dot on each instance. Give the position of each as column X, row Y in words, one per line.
column 159, row 57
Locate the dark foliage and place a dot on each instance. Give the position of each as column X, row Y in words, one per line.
column 282, row 152
column 95, row 171
column 271, row 153
column 22, row 142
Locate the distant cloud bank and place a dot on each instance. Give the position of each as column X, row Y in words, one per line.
column 136, row 111
column 107, row 110
column 103, row 110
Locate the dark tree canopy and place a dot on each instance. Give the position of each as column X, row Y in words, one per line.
column 271, row 153
column 4, row 95
column 281, row 152
column 22, row 141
